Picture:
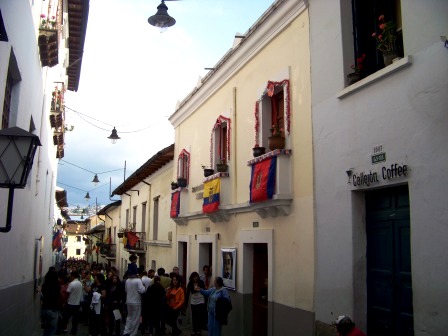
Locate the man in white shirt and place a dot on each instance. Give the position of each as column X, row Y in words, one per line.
column 74, row 299
column 134, row 289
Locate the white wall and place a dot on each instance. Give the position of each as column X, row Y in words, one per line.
column 406, row 112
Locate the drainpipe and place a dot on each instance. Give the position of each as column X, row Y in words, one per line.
column 234, row 148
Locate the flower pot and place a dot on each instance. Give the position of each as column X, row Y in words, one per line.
column 174, row 186
column 99, row 244
column 222, row 167
column 257, row 151
column 182, row 182
column 120, row 234
column 389, row 56
column 353, row 78
column 276, row 142
column 208, row 172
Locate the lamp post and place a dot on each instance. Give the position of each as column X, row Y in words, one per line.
column 17, row 149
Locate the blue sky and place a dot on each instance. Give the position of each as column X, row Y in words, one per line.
column 132, row 77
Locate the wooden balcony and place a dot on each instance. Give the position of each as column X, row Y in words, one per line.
column 135, row 245
column 48, row 46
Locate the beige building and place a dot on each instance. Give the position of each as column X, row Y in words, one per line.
column 144, row 213
column 260, row 236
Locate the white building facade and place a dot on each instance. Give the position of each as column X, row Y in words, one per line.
column 32, row 64
column 380, row 167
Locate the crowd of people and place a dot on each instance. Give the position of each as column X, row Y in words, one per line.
column 143, row 300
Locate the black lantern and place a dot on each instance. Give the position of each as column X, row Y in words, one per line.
column 161, row 19
column 17, row 149
column 96, row 180
column 114, row 136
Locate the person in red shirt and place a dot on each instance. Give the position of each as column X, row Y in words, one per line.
column 346, row 327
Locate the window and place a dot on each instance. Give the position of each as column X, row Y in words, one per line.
column 10, row 104
column 134, row 216
column 78, row 252
column 78, row 239
column 220, row 142
column 7, row 101
column 155, row 219
column 144, row 216
column 183, row 164
column 273, row 108
column 366, row 15
column 127, row 218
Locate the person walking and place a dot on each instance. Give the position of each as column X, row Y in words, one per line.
column 197, row 304
column 114, row 300
column 73, row 302
column 134, row 289
column 215, row 317
column 156, row 303
column 175, row 301
column 50, row 297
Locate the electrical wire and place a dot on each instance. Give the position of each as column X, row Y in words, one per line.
column 109, row 171
column 81, row 116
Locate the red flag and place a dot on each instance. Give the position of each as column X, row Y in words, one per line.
column 262, row 183
column 175, row 204
column 132, row 239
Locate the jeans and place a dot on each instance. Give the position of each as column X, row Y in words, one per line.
column 73, row 312
column 198, row 316
column 49, row 321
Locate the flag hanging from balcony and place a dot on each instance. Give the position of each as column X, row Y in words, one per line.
column 132, row 239
column 211, row 195
column 175, row 204
column 262, row 182
column 57, row 241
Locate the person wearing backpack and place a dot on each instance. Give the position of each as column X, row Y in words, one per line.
column 218, row 306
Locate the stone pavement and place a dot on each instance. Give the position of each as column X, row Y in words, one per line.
column 84, row 330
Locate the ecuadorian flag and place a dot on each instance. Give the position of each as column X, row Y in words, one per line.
column 175, row 204
column 262, row 182
column 211, row 195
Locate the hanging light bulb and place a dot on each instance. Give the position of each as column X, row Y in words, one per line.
column 114, row 136
column 87, row 196
column 161, row 19
column 95, row 180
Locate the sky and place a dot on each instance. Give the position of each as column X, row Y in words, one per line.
column 132, row 77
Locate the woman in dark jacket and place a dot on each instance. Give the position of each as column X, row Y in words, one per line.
column 197, row 304
column 114, row 301
column 156, row 302
column 50, row 298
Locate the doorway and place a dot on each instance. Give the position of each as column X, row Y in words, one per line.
column 260, row 290
column 205, row 256
column 182, row 257
column 389, row 281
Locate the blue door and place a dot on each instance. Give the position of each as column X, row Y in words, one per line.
column 389, row 283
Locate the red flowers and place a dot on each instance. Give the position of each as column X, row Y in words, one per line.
column 359, row 64
column 385, row 40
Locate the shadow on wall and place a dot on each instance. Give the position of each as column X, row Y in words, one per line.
column 323, row 329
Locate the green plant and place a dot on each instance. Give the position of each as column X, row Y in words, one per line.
column 276, row 131
column 47, row 23
column 205, row 167
column 385, row 39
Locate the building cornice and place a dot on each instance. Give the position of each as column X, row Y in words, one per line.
column 265, row 29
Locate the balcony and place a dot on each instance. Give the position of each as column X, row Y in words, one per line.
column 135, row 242
column 109, row 251
column 48, row 46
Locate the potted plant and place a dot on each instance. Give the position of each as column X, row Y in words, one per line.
column 257, row 150
column 385, row 40
column 121, row 232
column 276, row 140
column 207, row 171
column 222, row 166
column 99, row 243
column 174, row 185
column 181, row 182
column 357, row 68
